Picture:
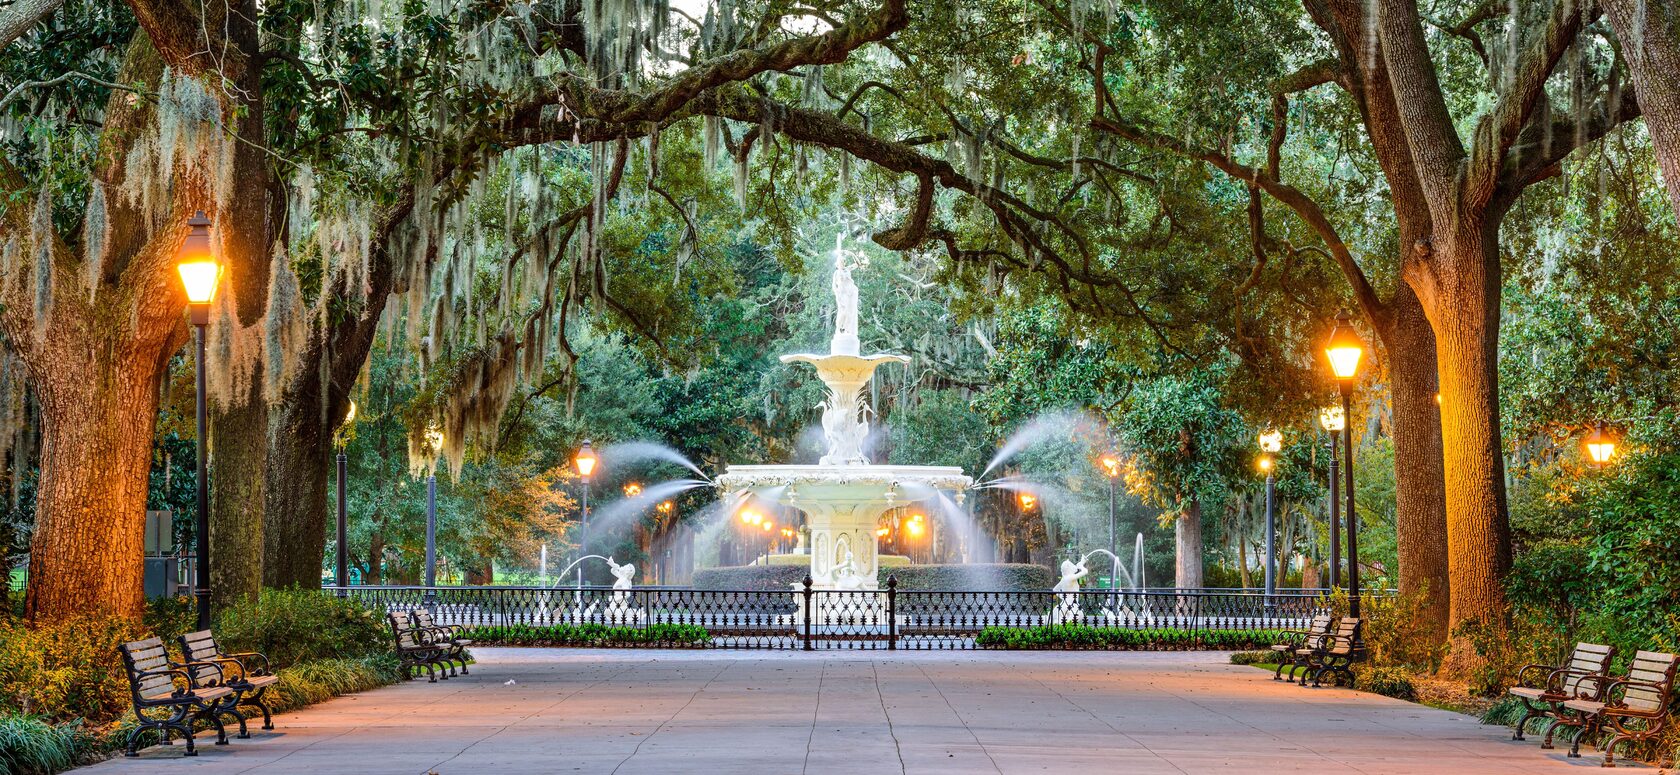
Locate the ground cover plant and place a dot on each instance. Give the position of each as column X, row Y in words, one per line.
column 588, row 635
column 1078, row 636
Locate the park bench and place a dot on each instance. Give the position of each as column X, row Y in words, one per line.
column 1634, row 705
column 1542, row 689
column 1334, row 654
column 157, row 683
column 1292, row 641
column 447, row 636
column 247, row 673
column 413, row 648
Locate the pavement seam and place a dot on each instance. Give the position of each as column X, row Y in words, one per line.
column 816, row 712
column 960, row 719
column 678, row 712
column 898, row 748
column 1104, row 722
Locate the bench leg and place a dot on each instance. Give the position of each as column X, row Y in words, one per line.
column 133, row 748
column 1529, row 712
column 262, row 705
column 1610, row 750
column 187, row 732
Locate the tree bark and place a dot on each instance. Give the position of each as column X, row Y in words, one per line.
column 1187, row 535
column 1420, row 495
column 1651, row 45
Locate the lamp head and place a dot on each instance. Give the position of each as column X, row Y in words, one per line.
column 1266, row 463
column 1271, row 441
column 585, row 460
column 1601, row 446
column 1332, row 419
column 632, row 490
column 1344, row 349
column 198, row 268
column 1111, row 465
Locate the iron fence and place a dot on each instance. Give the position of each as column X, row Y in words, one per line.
column 887, row 618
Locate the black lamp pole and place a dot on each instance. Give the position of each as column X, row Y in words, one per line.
column 341, row 567
column 1352, row 522
column 1335, row 517
column 1271, row 537
column 201, row 527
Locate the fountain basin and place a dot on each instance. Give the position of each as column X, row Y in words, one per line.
column 842, row 506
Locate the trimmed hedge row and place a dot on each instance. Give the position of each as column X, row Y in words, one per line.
column 588, row 635
column 1080, row 636
column 975, row 577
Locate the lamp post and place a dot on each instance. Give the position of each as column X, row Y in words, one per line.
column 1344, row 351
column 434, row 443
column 1332, row 419
column 1111, row 469
column 585, row 462
column 341, row 563
column 1601, row 446
column 199, row 276
column 1270, row 443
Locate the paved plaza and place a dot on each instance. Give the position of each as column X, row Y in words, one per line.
column 858, row 713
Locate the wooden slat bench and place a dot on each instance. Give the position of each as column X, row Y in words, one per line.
column 1335, row 654
column 1542, row 689
column 247, row 673
column 447, row 636
column 1638, row 698
column 1295, row 640
column 413, row 648
column 158, row 684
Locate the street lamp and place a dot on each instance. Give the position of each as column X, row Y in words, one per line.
column 434, row 445
column 1344, row 350
column 585, row 462
column 632, row 490
column 341, row 563
column 1332, row 419
column 200, row 275
column 1271, row 442
column 1028, row 501
column 1601, row 446
column 1111, row 469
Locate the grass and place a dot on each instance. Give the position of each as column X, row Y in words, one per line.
column 31, row 746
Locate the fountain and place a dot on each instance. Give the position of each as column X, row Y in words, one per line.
column 844, row 495
column 620, row 608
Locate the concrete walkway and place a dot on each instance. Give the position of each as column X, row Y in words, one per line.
column 859, row 713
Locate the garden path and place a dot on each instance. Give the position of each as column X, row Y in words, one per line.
column 857, row 713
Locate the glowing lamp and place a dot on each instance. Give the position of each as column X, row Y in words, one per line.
column 1271, row 441
column 916, row 529
column 1344, row 349
column 585, row 460
column 1111, row 466
column 632, row 490
column 768, row 526
column 881, row 532
column 1028, row 502
column 198, row 268
column 1601, row 446
column 665, row 507
column 1266, row 464
column 1332, row 419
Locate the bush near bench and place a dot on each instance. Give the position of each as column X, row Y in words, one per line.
column 587, row 635
column 64, row 698
column 1081, row 636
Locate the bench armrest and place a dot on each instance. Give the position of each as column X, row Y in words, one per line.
column 1548, row 670
column 221, row 675
column 241, row 656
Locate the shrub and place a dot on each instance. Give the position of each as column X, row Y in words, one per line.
column 1253, row 658
column 31, row 746
column 750, row 578
column 290, row 626
column 65, row 670
column 974, row 577
column 589, row 635
column 1080, row 636
column 322, row 679
column 1387, row 681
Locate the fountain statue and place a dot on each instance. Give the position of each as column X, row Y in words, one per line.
column 1067, row 592
column 844, row 495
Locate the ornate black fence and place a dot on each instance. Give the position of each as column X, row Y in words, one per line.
column 888, row 618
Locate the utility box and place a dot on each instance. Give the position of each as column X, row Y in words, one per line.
column 162, row 576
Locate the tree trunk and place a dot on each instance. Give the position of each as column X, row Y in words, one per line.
column 376, row 560
column 1241, row 538
column 1465, row 316
column 90, row 516
column 1649, row 41
column 1187, row 532
column 236, row 501
column 296, row 508
column 1420, row 496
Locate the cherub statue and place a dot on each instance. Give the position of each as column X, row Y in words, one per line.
column 846, row 575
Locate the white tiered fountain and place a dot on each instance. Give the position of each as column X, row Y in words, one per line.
column 844, row 495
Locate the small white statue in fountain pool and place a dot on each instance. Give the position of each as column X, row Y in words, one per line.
column 845, row 341
column 620, row 610
column 1067, row 589
column 846, row 574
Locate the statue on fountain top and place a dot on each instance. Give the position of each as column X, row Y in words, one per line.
column 846, row 575
column 845, row 340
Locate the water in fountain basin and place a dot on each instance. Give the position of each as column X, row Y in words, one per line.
column 618, row 455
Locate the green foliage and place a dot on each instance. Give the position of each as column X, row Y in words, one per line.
column 971, row 577
column 1081, row 636
column 589, row 635
column 1387, row 681
column 291, row 626
column 1253, row 658
column 317, row 680
column 65, row 670
column 30, row 745
column 751, row 578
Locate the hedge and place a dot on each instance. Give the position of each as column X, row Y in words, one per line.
column 588, row 635
column 751, row 578
column 1080, row 636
